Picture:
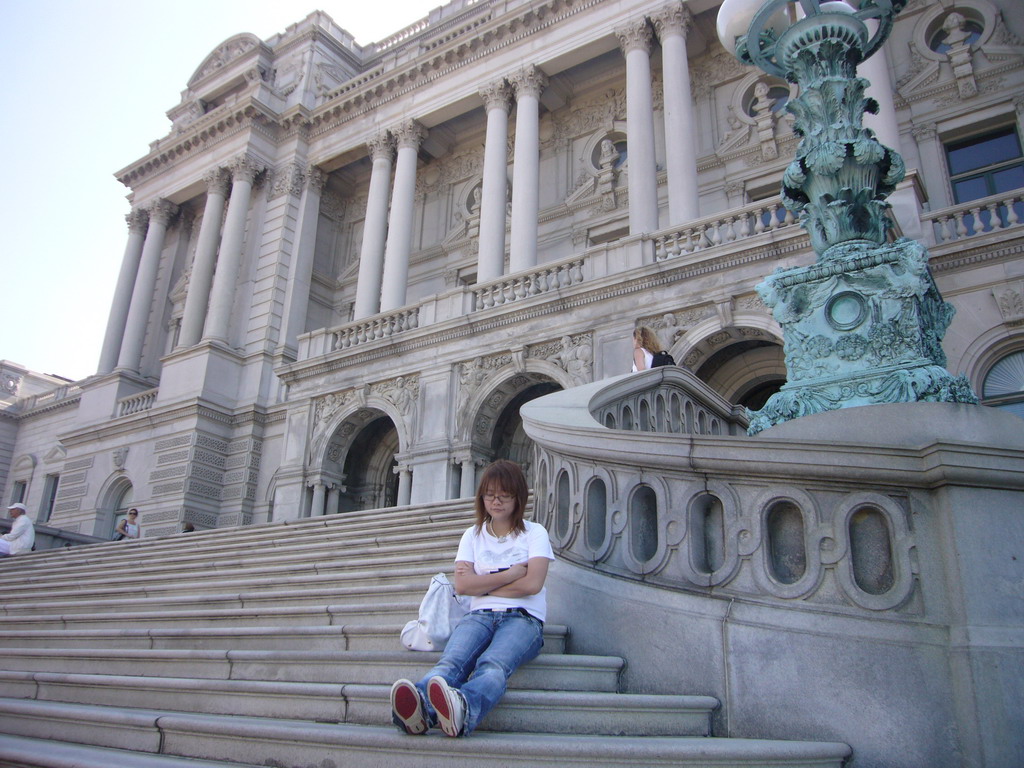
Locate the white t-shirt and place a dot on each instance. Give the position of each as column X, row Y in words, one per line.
column 488, row 554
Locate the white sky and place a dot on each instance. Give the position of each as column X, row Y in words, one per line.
column 88, row 84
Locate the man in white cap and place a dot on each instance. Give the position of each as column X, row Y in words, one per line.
column 23, row 534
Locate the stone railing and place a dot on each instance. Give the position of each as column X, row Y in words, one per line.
column 381, row 326
column 68, row 394
column 978, row 217
column 671, row 401
column 728, row 227
column 137, row 403
column 545, row 279
column 651, row 477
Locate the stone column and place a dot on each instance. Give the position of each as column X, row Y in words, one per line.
column 137, row 220
column 375, row 227
column 218, row 319
column 494, row 193
column 317, row 508
column 527, row 85
column 672, row 24
column 333, row 500
column 404, row 486
column 876, row 71
column 403, row 200
column 199, row 282
column 467, row 484
column 296, row 300
column 160, row 214
column 635, row 41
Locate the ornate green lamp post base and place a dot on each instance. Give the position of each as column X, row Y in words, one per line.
column 863, row 325
column 863, row 328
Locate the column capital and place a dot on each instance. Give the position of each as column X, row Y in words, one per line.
column 381, row 146
column 529, row 81
column 409, row 134
column 928, row 131
column 244, row 168
column 673, row 19
column 217, row 181
column 162, row 211
column 635, row 36
column 138, row 220
column 496, row 95
column 316, row 177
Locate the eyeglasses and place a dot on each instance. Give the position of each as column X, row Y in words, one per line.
column 501, row 498
column 133, row 513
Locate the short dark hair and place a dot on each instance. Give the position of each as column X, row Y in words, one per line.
column 506, row 476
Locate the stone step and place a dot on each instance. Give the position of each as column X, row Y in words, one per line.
column 352, row 637
column 306, row 557
column 89, row 602
column 262, row 742
column 372, row 531
column 307, row 615
column 548, row 672
column 292, row 577
column 20, row 752
column 526, row 711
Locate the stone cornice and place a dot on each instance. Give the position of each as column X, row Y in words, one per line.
column 146, row 421
column 457, row 51
column 250, row 115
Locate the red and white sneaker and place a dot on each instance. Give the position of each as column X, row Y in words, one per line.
column 448, row 704
column 407, row 708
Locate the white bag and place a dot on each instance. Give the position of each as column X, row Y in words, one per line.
column 440, row 610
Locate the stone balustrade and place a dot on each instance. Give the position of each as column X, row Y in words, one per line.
column 977, row 217
column 727, row 227
column 650, row 477
column 137, row 403
column 381, row 326
column 545, row 279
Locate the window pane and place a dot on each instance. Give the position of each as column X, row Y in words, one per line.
column 1006, row 179
column 970, row 189
column 978, row 153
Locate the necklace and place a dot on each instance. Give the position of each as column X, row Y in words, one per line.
column 490, row 530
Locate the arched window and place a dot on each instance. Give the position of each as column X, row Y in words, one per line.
column 1004, row 384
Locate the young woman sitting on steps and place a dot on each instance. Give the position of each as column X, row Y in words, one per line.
column 502, row 563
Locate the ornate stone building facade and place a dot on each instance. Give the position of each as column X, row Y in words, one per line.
column 347, row 267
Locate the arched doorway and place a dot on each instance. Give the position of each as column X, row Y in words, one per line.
column 745, row 372
column 116, row 502
column 368, row 466
column 497, row 428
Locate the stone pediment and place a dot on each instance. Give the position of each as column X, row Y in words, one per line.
column 231, row 49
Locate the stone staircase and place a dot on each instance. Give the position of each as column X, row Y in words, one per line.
column 276, row 645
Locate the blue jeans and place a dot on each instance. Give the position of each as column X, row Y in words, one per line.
column 485, row 648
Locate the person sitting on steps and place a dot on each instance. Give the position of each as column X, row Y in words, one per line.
column 502, row 563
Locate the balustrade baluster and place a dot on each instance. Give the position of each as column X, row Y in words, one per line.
column 995, row 221
column 576, row 271
column 1011, row 211
column 688, row 247
column 759, row 221
column 730, row 229
column 961, row 228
